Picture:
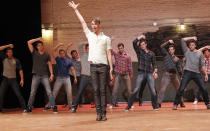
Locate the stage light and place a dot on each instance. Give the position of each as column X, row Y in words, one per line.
column 154, row 23
column 47, row 33
column 182, row 27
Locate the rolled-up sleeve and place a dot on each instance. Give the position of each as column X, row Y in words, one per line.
column 108, row 43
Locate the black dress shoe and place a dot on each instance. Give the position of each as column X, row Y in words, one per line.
column 103, row 117
column 99, row 117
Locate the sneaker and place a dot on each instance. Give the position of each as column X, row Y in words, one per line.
column 46, row 108
column 132, row 107
column 73, row 110
column 55, row 110
column 110, row 107
column 182, row 105
column 25, row 110
column 127, row 108
column 103, row 117
column 28, row 110
column 195, row 102
column 156, row 109
column 175, row 107
column 208, row 106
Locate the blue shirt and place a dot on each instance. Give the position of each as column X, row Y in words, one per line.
column 63, row 66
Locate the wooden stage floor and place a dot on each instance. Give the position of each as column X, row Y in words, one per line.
column 191, row 118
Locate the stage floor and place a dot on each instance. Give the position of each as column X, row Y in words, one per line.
column 191, row 118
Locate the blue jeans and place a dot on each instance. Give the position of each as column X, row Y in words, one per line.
column 126, row 80
column 142, row 76
column 63, row 81
column 197, row 78
column 84, row 82
column 166, row 79
column 36, row 80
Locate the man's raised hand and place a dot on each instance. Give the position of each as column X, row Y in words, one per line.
column 73, row 5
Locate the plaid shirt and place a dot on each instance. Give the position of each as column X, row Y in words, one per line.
column 123, row 64
column 146, row 60
column 207, row 65
column 171, row 63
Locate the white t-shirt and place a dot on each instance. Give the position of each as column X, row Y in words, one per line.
column 98, row 45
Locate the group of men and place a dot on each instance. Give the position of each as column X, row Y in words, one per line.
column 96, row 60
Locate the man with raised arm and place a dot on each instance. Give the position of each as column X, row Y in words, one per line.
column 99, row 52
column 123, row 72
column 172, row 67
column 63, row 78
column 147, row 70
column 192, row 70
column 41, row 67
column 10, row 65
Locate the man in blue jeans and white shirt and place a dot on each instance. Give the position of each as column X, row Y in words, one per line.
column 99, row 53
column 63, row 78
column 147, row 70
column 194, row 65
column 41, row 67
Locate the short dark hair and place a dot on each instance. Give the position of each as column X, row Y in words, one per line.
column 97, row 20
column 191, row 41
column 171, row 46
column 38, row 42
column 61, row 51
column 141, row 41
column 73, row 51
column 120, row 44
column 7, row 49
column 204, row 50
column 86, row 46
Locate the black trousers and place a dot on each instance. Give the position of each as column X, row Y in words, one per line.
column 99, row 79
column 11, row 82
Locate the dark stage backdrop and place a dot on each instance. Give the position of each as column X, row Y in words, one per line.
column 21, row 21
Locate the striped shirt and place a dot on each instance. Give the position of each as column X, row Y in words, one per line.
column 123, row 64
column 207, row 65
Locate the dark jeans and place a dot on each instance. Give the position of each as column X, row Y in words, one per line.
column 197, row 91
column 12, row 82
column 142, row 76
column 84, row 82
column 197, row 78
column 36, row 80
column 143, row 85
column 99, row 78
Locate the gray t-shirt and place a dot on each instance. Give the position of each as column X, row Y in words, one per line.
column 10, row 66
column 194, row 59
column 40, row 66
column 85, row 64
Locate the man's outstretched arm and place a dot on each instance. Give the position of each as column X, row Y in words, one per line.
column 81, row 19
